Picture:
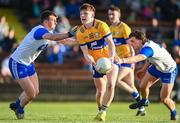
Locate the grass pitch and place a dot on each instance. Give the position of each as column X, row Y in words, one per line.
column 84, row 112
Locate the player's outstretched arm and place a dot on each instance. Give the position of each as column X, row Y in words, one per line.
column 133, row 59
column 61, row 36
column 55, row 37
column 69, row 41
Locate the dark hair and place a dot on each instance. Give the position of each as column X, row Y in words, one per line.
column 45, row 15
column 87, row 6
column 114, row 8
column 139, row 35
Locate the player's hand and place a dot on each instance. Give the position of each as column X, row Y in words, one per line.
column 69, row 41
column 73, row 31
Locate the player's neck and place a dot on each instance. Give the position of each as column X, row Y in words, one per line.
column 116, row 23
column 46, row 27
column 89, row 25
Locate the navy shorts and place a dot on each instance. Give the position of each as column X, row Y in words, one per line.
column 164, row 77
column 19, row 71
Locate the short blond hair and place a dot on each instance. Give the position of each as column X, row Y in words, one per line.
column 87, row 6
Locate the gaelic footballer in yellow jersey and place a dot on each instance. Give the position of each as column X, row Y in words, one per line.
column 120, row 33
column 94, row 39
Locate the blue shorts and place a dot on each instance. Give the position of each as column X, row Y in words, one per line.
column 126, row 65
column 100, row 75
column 19, row 71
column 164, row 77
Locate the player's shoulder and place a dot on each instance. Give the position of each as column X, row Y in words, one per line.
column 39, row 28
column 123, row 24
column 81, row 30
column 150, row 44
column 99, row 23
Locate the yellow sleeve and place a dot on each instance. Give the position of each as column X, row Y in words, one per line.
column 127, row 31
column 104, row 29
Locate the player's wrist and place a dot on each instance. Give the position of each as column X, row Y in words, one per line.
column 70, row 34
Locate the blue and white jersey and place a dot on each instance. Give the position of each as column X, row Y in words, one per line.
column 158, row 56
column 32, row 45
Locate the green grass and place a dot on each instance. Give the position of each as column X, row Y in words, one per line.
column 83, row 112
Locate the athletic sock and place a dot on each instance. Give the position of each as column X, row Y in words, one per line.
column 144, row 101
column 136, row 96
column 103, row 108
column 173, row 113
column 17, row 103
column 19, row 107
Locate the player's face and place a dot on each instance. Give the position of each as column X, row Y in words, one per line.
column 86, row 16
column 135, row 43
column 113, row 16
column 52, row 21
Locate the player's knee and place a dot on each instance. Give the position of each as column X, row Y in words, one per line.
column 100, row 93
column 164, row 99
column 32, row 95
column 110, row 87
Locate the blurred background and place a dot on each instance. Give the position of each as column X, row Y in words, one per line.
column 64, row 74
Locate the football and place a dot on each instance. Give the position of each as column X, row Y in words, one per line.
column 103, row 65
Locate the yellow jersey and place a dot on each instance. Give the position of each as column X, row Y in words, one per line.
column 120, row 33
column 94, row 39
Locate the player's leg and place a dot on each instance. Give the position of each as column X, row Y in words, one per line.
column 165, row 98
column 109, row 93
column 35, row 81
column 168, row 80
column 110, row 88
column 25, row 97
column 123, row 72
column 147, row 81
column 129, row 79
column 100, row 85
column 21, row 75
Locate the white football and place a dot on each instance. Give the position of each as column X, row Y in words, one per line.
column 103, row 65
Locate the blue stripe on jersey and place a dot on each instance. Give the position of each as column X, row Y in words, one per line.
column 147, row 51
column 96, row 45
column 119, row 41
column 107, row 35
column 39, row 33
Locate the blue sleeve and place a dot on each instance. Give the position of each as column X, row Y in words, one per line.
column 147, row 51
column 39, row 33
